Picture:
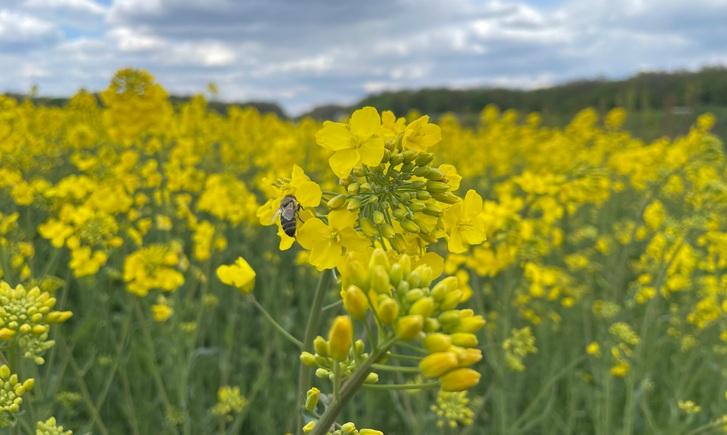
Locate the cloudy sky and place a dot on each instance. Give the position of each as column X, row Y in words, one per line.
column 302, row 53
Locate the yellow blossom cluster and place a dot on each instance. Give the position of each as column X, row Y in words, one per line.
column 11, row 395
column 25, row 319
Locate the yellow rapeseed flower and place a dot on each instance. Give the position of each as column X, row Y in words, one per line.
column 359, row 140
column 239, row 275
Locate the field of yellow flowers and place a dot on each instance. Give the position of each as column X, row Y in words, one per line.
column 505, row 278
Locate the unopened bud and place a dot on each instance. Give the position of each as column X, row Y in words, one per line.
column 336, row 202
column 437, row 187
column 437, row 342
column 311, row 399
column 388, row 311
column 321, row 346
column 353, row 204
column 424, row 159
column 308, row 359
column 409, row 327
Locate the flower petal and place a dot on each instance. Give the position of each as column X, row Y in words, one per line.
column 334, row 136
column 308, row 193
column 472, row 204
column 372, row 151
column 365, row 122
column 343, row 161
column 312, row 233
column 454, row 243
column 341, row 219
column 326, row 255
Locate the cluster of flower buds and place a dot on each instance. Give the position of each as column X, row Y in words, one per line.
column 337, row 356
column 50, row 427
column 26, row 316
column 345, row 429
column 11, row 394
column 452, row 409
column 400, row 201
column 404, row 297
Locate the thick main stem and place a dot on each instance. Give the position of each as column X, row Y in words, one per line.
column 348, row 389
column 312, row 325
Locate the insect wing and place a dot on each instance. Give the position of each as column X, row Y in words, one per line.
column 288, row 211
column 275, row 216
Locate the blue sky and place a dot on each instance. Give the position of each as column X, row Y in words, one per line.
column 304, row 53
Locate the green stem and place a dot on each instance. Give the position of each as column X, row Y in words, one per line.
column 275, row 324
column 86, row 395
column 402, row 386
column 312, row 325
column 405, row 357
column 390, row 368
column 349, row 388
column 719, row 423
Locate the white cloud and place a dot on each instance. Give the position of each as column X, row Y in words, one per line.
column 209, row 53
column 130, row 40
column 87, row 6
column 16, row 28
column 313, row 52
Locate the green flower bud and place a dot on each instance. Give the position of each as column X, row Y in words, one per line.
column 367, row 227
column 311, row 399
column 421, row 171
column 352, row 188
column 308, row 359
column 449, row 319
column 443, row 287
column 424, row 159
column 372, row 378
column 410, row 225
column 320, row 345
column 405, row 262
column 409, row 327
column 380, row 280
column 446, row 197
column 437, row 187
column 451, row 300
column 388, row 231
column 424, row 272
column 402, row 288
column 432, row 210
column 336, row 202
column 388, row 311
column 423, row 195
column 414, row 295
column 379, row 258
column 378, row 217
column 400, row 212
column 431, row 325
column 410, row 155
column 434, row 174
column 423, row 307
column 396, row 274
column 353, row 204
column 417, row 206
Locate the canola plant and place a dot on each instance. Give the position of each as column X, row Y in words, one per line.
column 393, row 274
